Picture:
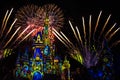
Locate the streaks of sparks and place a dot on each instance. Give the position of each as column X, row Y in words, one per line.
column 11, row 37
column 88, row 54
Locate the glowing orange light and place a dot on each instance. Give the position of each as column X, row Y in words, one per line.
column 37, row 30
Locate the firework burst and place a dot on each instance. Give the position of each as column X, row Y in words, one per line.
column 54, row 14
column 36, row 17
column 27, row 18
column 89, row 48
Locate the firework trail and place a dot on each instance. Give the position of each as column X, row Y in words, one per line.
column 8, row 35
column 5, row 36
column 89, row 48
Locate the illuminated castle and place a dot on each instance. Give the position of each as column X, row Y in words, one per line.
column 43, row 60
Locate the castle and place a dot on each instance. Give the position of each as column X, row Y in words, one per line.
column 44, row 60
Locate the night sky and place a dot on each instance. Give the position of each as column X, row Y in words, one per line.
column 73, row 10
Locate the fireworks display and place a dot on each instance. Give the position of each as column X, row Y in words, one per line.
column 8, row 35
column 36, row 17
column 90, row 46
column 27, row 18
column 54, row 15
column 28, row 21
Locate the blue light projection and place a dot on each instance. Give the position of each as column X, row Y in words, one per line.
column 47, row 50
column 37, row 76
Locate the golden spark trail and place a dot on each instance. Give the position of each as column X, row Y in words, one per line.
column 104, row 26
column 90, row 28
column 20, row 35
column 6, row 21
column 73, row 30
column 110, row 30
column 60, row 36
column 83, row 21
column 11, row 27
column 115, row 43
column 25, row 37
column 97, row 23
column 79, row 35
column 11, row 37
column 3, row 23
column 9, row 30
column 66, row 38
column 4, row 18
column 60, row 39
column 113, row 33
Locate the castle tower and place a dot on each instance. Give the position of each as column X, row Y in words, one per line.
column 43, row 60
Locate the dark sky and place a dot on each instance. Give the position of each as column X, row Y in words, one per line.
column 70, row 7
column 73, row 9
